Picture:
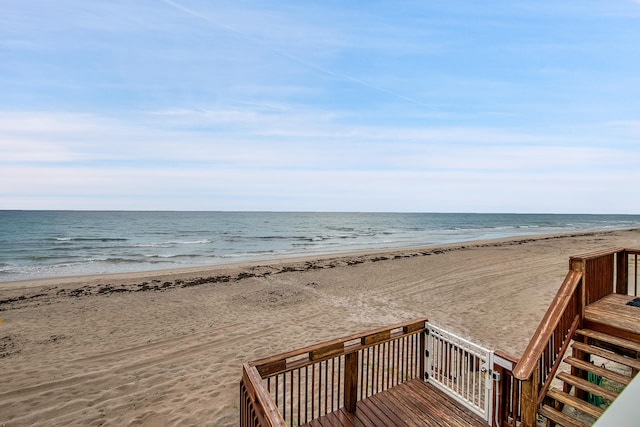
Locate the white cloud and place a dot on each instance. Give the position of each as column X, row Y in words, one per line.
column 212, row 189
column 287, row 139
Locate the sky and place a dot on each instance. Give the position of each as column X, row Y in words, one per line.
column 394, row 106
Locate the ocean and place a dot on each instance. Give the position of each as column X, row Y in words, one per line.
column 42, row 244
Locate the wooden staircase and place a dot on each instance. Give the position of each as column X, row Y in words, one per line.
column 570, row 406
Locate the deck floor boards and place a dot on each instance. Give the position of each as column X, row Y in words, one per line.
column 612, row 310
column 414, row 403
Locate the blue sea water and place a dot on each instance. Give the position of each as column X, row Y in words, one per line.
column 39, row 244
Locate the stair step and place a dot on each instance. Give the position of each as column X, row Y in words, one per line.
column 574, row 402
column 620, row 342
column 603, row 372
column 560, row 418
column 585, row 385
column 632, row 363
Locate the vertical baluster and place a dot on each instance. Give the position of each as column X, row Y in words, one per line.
column 291, row 398
column 375, row 353
column 394, row 355
column 383, row 366
column 435, row 356
column 635, row 275
column 388, row 365
column 448, row 362
column 365, row 374
column 320, row 389
column 380, row 368
column 284, row 396
column 333, row 383
column 398, row 369
column 410, row 368
column 442, row 372
column 449, row 368
column 392, row 364
column 338, row 404
column 306, row 394
column 313, row 388
column 361, row 367
column 402, row 345
column 458, row 367
column 376, row 369
column 419, row 354
column 469, row 372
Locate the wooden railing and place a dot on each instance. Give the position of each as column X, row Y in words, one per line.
column 297, row 387
column 628, row 274
column 591, row 277
column 520, row 386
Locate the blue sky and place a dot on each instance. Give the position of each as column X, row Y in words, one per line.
column 456, row 106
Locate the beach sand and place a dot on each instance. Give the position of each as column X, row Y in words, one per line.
column 166, row 348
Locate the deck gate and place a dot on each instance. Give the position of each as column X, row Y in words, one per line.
column 461, row 369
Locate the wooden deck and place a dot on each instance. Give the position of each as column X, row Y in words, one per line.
column 414, row 403
column 613, row 310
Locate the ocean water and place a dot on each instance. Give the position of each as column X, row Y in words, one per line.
column 39, row 244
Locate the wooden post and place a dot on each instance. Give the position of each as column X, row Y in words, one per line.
column 351, row 381
column 622, row 269
column 529, row 399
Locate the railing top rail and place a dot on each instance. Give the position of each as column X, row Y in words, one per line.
column 274, row 365
column 253, row 383
column 537, row 345
column 599, row 253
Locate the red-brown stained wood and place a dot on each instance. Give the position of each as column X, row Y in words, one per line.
column 273, row 364
column 613, row 311
column 556, row 311
column 414, row 327
column 376, row 338
column 327, row 351
column 351, row 381
column 414, row 403
column 529, row 400
column 264, row 408
column 267, row 369
column 622, row 270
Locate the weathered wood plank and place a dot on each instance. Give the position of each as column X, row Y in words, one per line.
column 295, row 359
column 351, row 381
column 413, row 413
column 541, row 337
column 412, row 404
column 632, row 363
column 587, row 386
column 376, row 338
column 612, row 310
column 327, row 351
column 561, row 418
column 574, row 402
column 603, row 372
column 385, row 404
column 620, row 342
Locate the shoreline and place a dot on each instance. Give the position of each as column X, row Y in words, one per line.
column 212, row 271
column 112, row 350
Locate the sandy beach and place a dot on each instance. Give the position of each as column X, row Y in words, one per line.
column 166, row 348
